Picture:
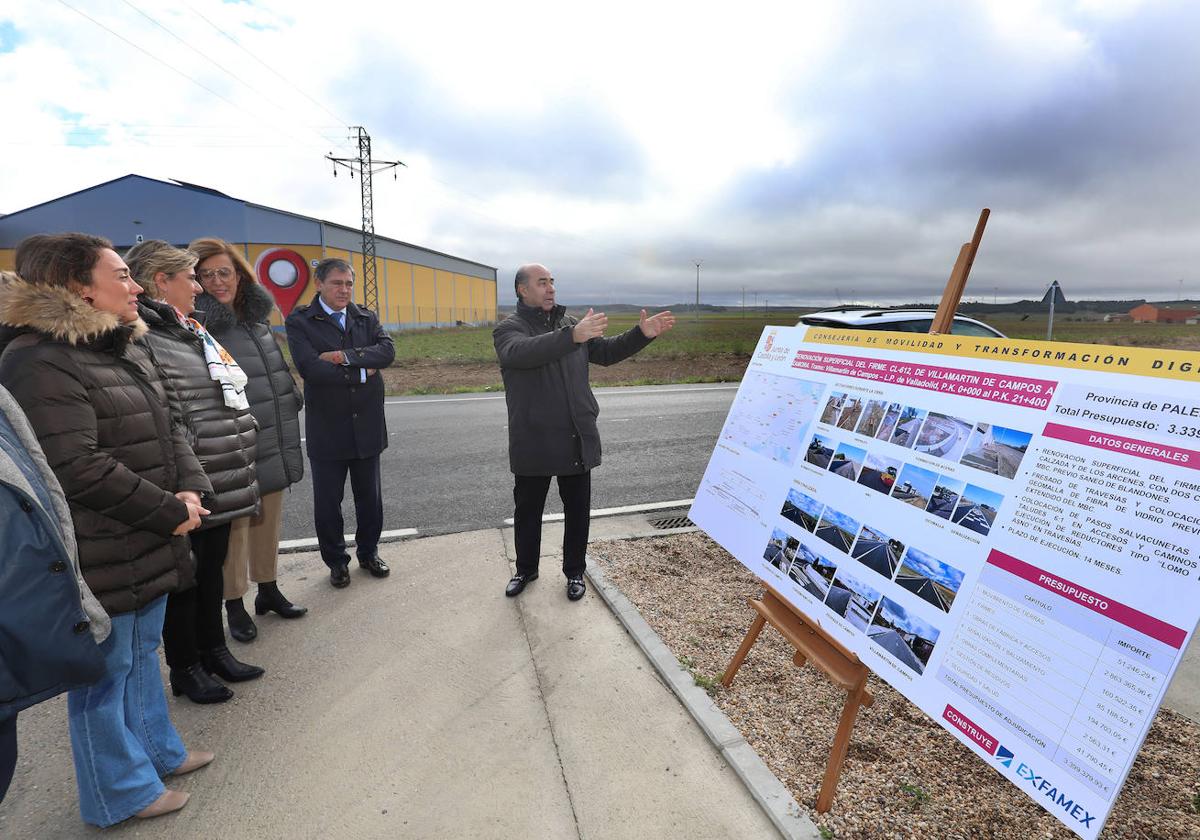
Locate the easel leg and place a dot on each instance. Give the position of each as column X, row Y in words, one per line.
column 743, row 650
column 841, row 743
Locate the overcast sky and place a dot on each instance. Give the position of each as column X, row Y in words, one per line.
column 809, row 154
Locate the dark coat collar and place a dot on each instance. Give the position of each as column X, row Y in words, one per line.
column 315, row 310
column 540, row 316
column 256, row 307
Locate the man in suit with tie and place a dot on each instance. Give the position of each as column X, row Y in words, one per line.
column 339, row 349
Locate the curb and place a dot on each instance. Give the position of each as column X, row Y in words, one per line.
column 775, row 800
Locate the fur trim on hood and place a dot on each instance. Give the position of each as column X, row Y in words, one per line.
column 257, row 304
column 57, row 312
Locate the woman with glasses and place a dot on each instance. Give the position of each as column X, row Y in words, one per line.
column 72, row 359
column 207, row 392
column 236, row 308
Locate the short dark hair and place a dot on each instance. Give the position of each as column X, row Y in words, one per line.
column 332, row 264
column 59, row 259
column 521, row 279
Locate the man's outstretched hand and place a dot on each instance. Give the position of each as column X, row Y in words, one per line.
column 592, row 325
column 656, row 325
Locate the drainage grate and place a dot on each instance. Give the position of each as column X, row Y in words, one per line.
column 669, row 522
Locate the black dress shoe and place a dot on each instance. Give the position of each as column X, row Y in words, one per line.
column 375, row 566
column 241, row 625
column 517, row 584
column 270, row 599
column 339, row 576
column 575, row 588
column 199, row 687
column 221, row 662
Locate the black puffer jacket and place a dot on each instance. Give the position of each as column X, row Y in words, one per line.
column 224, row 439
column 274, row 398
column 551, row 411
column 98, row 408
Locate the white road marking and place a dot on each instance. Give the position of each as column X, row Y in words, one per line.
column 617, row 511
column 311, row 542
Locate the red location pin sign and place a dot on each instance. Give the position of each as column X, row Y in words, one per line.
column 284, row 273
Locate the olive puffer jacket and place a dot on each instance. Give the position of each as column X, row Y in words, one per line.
column 551, row 411
column 98, row 408
column 223, row 438
column 274, row 398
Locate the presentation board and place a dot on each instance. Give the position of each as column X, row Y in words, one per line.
column 1005, row 531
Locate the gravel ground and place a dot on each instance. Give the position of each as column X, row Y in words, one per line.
column 904, row 777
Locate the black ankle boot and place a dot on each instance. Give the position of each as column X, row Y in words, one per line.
column 199, row 687
column 221, row 662
column 270, row 599
column 241, row 625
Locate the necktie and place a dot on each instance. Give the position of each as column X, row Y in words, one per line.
column 339, row 318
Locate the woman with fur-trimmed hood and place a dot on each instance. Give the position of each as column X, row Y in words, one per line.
column 70, row 356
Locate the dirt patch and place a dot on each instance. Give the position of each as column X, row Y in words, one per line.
column 905, row 777
column 435, row 376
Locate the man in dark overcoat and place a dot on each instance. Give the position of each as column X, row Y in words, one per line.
column 339, row 348
column 544, row 356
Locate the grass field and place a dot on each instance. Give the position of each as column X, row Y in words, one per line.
column 716, row 348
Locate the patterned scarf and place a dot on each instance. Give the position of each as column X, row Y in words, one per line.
column 222, row 367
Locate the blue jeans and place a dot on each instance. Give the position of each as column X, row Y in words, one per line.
column 121, row 736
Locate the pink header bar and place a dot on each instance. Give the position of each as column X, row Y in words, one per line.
column 1004, row 388
column 1130, row 446
column 972, row 730
column 1145, row 624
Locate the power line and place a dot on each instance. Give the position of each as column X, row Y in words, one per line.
column 283, row 78
column 211, row 60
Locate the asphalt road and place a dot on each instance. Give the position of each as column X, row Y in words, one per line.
column 446, row 468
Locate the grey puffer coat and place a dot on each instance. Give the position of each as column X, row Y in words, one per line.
column 224, row 439
column 274, row 398
column 98, row 408
column 551, row 410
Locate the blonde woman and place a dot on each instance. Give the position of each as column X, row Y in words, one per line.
column 207, row 391
column 236, row 309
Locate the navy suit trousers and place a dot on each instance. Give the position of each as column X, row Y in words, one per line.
column 329, row 488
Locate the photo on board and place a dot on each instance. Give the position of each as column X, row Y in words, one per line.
column 879, row 472
column 996, row 449
column 852, row 597
column 837, row 529
column 872, row 418
column 929, row 578
column 847, row 460
column 820, row 450
column 877, row 551
column 851, row 411
column 946, row 494
column 943, row 436
column 908, row 639
column 914, row 486
column 812, row 571
column 888, row 425
column 977, row 509
column 781, row 550
column 908, row 424
column 833, row 408
column 802, row 509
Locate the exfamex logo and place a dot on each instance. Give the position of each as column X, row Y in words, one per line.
column 1048, row 789
column 1004, row 756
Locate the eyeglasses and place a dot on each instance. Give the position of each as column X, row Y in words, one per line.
column 214, row 273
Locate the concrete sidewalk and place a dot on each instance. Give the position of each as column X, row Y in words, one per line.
column 426, row 705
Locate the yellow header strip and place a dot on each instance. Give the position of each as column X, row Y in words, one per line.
column 1138, row 361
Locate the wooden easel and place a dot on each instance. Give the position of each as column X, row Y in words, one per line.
column 814, row 645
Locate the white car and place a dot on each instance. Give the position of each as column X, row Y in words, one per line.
column 895, row 320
